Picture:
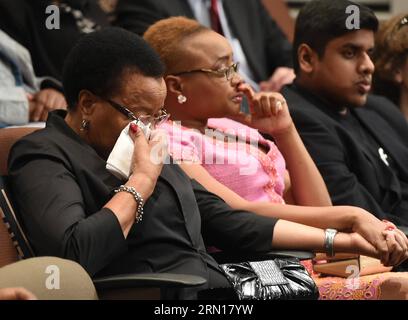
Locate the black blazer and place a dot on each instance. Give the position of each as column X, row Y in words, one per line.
column 352, row 176
column 264, row 44
column 61, row 186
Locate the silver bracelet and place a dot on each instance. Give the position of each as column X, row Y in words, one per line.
column 329, row 235
column 138, row 198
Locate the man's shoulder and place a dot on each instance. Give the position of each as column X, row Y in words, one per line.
column 301, row 107
column 296, row 98
column 380, row 110
column 381, row 105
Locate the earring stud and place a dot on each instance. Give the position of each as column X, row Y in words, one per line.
column 84, row 125
column 181, row 99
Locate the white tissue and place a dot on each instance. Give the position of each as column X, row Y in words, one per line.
column 120, row 159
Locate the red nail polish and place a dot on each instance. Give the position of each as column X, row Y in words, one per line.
column 133, row 127
column 390, row 228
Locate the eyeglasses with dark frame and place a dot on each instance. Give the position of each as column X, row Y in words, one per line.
column 223, row 72
column 145, row 119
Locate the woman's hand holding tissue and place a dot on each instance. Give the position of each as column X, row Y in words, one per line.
column 148, row 158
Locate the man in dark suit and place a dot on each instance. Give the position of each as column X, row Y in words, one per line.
column 25, row 22
column 259, row 45
column 358, row 141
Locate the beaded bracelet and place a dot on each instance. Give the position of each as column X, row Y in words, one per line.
column 138, row 198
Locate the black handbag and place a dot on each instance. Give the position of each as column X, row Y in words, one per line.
column 277, row 279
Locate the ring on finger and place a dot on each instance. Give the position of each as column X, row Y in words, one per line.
column 279, row 105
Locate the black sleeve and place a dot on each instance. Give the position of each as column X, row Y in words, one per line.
column 57, row 225
column 278, row 48
column 230, row 229
column 137, row 16
column 332, row 160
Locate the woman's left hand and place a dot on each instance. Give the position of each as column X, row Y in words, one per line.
column 268, row 111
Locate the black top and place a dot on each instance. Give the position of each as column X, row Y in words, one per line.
column 346, row 149
column 25, row 22
column 61, row 185
column 264, row 44
column 357, row 128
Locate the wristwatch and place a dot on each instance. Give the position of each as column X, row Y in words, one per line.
column 329, row 235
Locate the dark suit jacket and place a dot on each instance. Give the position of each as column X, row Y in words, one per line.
column 264, row 44
column 61, row 186
column 24, row 21
column 352, row 175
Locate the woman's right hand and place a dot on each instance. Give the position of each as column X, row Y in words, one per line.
column 393, row 256
column 372, row 229
column 148, row 156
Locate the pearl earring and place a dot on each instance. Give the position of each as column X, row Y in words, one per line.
column 84, row 125
column 181, row 99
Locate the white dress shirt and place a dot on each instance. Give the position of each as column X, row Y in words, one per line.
column 201, row 10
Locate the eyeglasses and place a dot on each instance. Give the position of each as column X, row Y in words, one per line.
column 154, row 121
column 223, row 72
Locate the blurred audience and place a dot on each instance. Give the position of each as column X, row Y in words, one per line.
column 259, row 45
column 22, row 98
column 279, row 11
column 25, row 21
column 358, row 141
column 391, row 62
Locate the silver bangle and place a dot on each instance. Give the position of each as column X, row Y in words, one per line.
column 138, row 198
column 329, row 235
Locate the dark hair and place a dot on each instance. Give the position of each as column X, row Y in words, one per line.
column 99, row 59
column 321, row 21
column 391, row 53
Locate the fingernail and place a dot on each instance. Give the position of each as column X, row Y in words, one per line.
column 133, row 127
column 390, row 228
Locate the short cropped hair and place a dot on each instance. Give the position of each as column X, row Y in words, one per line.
column 321, row 21
column 166, row 37
column 391, row 53
column 99, row 59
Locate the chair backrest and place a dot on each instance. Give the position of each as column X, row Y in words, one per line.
column 12, row 226
column 8, row 253
column 12, row 244
column 8, row 137
column 49, row 278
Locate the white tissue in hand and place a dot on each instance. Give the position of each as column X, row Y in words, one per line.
column 120, row 159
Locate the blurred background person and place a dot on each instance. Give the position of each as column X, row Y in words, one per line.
column 25, row 21
column 391, row 62
column 22, row 98
column 259, row 45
